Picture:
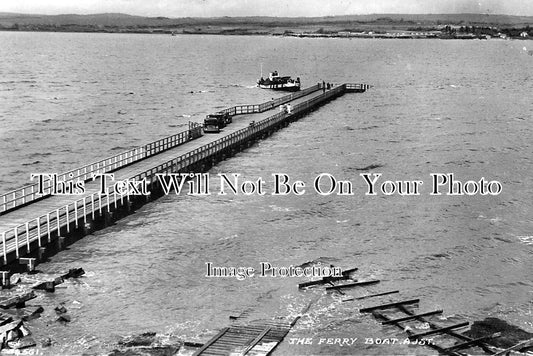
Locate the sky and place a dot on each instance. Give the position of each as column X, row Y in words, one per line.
column 289, row 8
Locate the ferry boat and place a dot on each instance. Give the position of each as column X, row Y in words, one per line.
column 276, row 82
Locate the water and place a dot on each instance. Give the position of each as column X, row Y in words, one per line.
column 459, row 107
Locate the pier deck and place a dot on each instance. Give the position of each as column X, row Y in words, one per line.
column 258, row 339
column 30, row 221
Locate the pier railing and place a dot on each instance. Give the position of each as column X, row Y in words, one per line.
column 30, row 192
column 356, row 87
column 250, row 109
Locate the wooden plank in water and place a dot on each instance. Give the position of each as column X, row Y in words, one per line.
column 432, row 345
column 345, row 275
column 212, row 341
column 389, row 305
column 17, row 300
column 411, row 317
column 351, row 285
column 323, row 281
column 348, row 271
column 263, row 349
column 255, row 341
column 439, row 330
column 521, row 345
column 192, row 344
column 472, row 342
column 378, row 294
column 451, row 333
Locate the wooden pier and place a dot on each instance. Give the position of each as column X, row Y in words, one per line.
column 258, row 339
column 35, row 220
column 402, row 314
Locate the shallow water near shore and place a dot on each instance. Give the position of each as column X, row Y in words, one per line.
column 460, row 107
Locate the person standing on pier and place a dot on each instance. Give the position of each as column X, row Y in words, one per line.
column 323, row 86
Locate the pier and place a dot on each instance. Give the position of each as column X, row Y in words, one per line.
column 35, row 220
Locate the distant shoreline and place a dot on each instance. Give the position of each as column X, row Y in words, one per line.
column 444, row 26
column 348, row 35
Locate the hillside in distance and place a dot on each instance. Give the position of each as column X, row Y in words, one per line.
column 117, row 22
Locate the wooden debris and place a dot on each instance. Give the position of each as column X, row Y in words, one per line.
column 345, row 275
column 26, row 313
column 49, row 286
column 370, row 296
column 411, row 317
column 145, row 339
column 74, row 273
column 258, row 338
column 17, row 301
column 439, row 330
column 15, row 336
column 4, row 319
column 11, row 326
column 351, row 285
column 322, row 281
column 192, row 344
column 60, row 309
column 146, row 344
column 255, row 341
column 389, row 305
column 511, row 334
column 520, row 346
column 162, row 350
column 21, row 343
column 65, row 318
column 347, row 272
column 472, row 342
column 465, row 342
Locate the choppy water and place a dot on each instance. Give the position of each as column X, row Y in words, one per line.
column 459, row 107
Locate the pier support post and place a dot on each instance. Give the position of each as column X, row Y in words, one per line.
column 41, row 253
column 127, row 205
column 5, row 281
column 29, row 262
column 60, row 242
column 88, row 226
column 108, row 218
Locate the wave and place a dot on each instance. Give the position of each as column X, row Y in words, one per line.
column 324, row 260
column 367, row 168
column 526, row 239
column 369, row 127
column 120, row 148
column 32, row 163
column 40, row 154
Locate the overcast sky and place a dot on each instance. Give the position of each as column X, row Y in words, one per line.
column 209, row 8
